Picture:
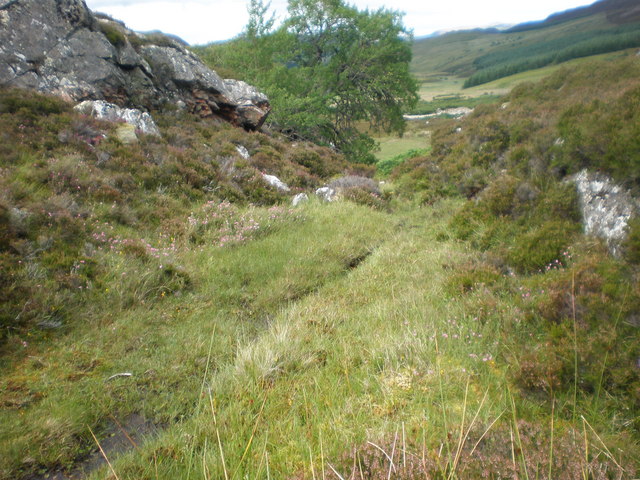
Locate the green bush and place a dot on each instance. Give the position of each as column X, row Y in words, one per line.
column 540, row 247
column 364, row 196
column 385, row 167
column 558, row 201
column 499, row 197
column 470, row 221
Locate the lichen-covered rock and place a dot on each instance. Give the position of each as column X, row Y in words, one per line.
column 276, row 182
column 299, row 199
column 61, row 47
column 102, row 110
column 606, row 208
column 252, row 104
column 326, row 194
column 243, row 152
column 126, row 133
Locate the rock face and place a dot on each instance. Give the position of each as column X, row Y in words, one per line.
column 61, row 47
column 606, row 208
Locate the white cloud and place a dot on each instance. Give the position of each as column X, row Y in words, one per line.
column 203, row 21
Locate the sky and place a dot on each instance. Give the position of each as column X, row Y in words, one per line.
column 205, row 21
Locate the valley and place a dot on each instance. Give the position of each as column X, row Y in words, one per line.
column 222, row 295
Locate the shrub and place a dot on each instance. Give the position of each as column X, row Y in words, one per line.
column 113, row 34
column 558, row 202
column 469, row 221
column 385, row 167
column 471, row 277
column 498, row 198
column 354, row 181
column 363, row 196
column 19, row 101
column 534, row 250
column 541, row 369
column 473, row 181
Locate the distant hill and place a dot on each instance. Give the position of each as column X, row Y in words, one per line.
column 616, row 11
column 483, row 55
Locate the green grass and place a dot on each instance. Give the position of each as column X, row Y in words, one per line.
column 416, row 137
column 163, row 341
column 337, row 329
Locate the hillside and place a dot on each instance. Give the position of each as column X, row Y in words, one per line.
column 616, row 11
column 469, row 309
column 484, row 55
column 189, row 337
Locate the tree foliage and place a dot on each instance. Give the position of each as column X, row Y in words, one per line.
column 330, row 70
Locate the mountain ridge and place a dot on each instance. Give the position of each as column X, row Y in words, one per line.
column 579, row 32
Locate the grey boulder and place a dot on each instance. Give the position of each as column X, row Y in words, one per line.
column 60, row 47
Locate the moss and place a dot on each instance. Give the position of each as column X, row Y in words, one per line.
column 113, row 34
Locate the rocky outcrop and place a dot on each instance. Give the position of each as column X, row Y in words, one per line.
column 606, row 208
column 299, row 199
column 102, row 110
column 276, row 183
column 61, row 47
column 326, row 194
column 243, row 152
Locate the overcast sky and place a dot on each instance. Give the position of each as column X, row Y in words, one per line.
column 204, row 21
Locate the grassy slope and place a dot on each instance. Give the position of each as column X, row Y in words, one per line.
column 507, row 160
column 289, row 385
column 166, row 345
column 337, row 336
column 352, row 362
column 416, row 136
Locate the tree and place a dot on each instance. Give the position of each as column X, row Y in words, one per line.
column 332, row 72
column 260, row 24
column 352, row 67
